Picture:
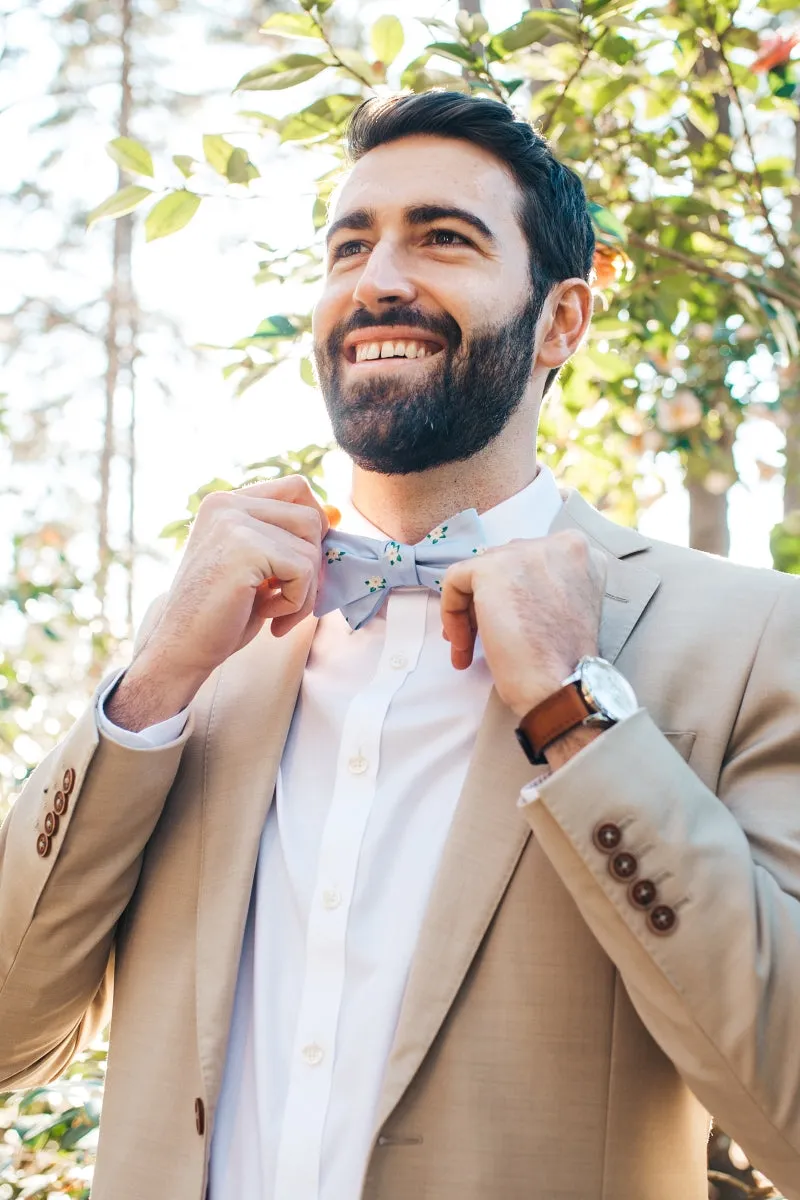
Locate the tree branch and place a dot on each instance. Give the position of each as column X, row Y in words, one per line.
column 736, row 99
column 548, row 118
column 701, row 268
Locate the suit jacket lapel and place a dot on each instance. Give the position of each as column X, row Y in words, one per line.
column 489, row 833
column 251, row 709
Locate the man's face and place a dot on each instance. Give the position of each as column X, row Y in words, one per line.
column 424, row 333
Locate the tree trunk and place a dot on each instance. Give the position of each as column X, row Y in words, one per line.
column 119, row 305
column 708, row 513
column 708, row 520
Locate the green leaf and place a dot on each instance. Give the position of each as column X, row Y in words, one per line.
column 607, row 223
column 320, row 119
column 282, row 73
column 454, row 51
column 240, row 169
column 171, row 213
column 534, row 27
column 307, row 372
column 131, row 156
column 292, row 25
column 276, row 326
column 610, row 91
column 122, row 202
column 387, row 38
column 185, row 164
column 218, row 151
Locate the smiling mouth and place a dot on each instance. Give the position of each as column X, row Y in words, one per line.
column 385, row 348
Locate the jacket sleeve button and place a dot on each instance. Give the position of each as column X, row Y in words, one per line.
column 51, row 824
column 662, row 919
column 642, row 893
column 607, row 837
column 43, row 845
column 69, row 780
column 60, row 804
column 623, row 866
column 200, row 1116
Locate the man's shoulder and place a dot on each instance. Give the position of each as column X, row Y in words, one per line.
column 681, row 568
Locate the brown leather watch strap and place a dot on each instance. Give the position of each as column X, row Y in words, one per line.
column 555, row 716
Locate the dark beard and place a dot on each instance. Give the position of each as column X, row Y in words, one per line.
column 394, row 427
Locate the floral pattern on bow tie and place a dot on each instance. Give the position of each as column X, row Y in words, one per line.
column 376, row 583
column 437, row 535
column 334, row 556
column 479, row 549
column 393, row 554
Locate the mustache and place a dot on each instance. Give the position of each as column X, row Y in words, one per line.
column 443, row 326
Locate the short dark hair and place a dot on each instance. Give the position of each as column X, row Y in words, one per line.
column 554, row 215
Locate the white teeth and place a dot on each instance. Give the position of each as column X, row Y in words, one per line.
column 371, row 350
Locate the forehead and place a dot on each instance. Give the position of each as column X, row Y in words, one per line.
column 426, row 169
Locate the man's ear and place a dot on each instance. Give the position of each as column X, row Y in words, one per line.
column 564, row 322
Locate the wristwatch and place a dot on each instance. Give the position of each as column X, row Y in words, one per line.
column 594, row 694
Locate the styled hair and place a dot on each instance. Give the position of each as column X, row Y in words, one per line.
column 553, row 212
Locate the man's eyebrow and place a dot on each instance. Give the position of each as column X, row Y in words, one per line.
column 418, row 214
column 423, row 214
column 359, row 218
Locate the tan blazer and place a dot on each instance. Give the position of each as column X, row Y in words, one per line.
column 550, row 1044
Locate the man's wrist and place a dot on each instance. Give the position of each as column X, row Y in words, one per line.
column 149, row 693
column 569, row 744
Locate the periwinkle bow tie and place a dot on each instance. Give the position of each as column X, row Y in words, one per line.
column 359, row 572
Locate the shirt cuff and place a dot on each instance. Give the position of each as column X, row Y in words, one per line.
column 153, row 737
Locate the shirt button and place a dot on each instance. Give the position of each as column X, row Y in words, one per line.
column 313, row 1054
column 357, row 764
column 398, row 661
column 331, row 898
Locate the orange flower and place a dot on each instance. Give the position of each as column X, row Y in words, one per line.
column 608, row 265
column 775, row 51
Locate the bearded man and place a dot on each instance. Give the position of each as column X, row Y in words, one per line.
column 364, row 940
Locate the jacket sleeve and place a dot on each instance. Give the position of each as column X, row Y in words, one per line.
column 70, row 855
column 715, row 977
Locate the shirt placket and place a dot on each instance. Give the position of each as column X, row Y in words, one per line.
column 313, row 1052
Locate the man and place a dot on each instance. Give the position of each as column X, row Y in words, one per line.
column 359, row 944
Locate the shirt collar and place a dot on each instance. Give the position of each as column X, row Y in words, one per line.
column 527, row 514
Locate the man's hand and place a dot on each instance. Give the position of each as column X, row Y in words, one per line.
column 536, row 605
column 253, row 554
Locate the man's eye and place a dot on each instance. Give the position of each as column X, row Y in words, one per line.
column 346, row 250
column 449, row 237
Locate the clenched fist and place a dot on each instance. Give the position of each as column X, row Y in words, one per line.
column 253, row 554
column 536, row 604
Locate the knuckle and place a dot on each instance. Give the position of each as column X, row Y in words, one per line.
column 215, row 502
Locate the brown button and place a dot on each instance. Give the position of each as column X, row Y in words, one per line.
column 662, row 919
column 642, row 893
column 69, row 780
column 200, row 1116
column 51, row 824
column 623, row 866
column 607, row 837
column 43, row 845
column 60, row 804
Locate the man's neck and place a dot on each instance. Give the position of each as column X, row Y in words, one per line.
column 406, row 507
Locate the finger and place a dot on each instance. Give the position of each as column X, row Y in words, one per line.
column 292, row 489
column 304, row 522
column 458, row 617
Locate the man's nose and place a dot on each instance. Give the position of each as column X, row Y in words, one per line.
column 384, row 281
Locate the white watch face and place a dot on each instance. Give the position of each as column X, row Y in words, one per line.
column 607, row 690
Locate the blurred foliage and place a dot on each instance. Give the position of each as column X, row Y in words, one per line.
column 677, row 115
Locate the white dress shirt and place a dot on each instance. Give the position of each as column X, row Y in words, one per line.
column 374, row 762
